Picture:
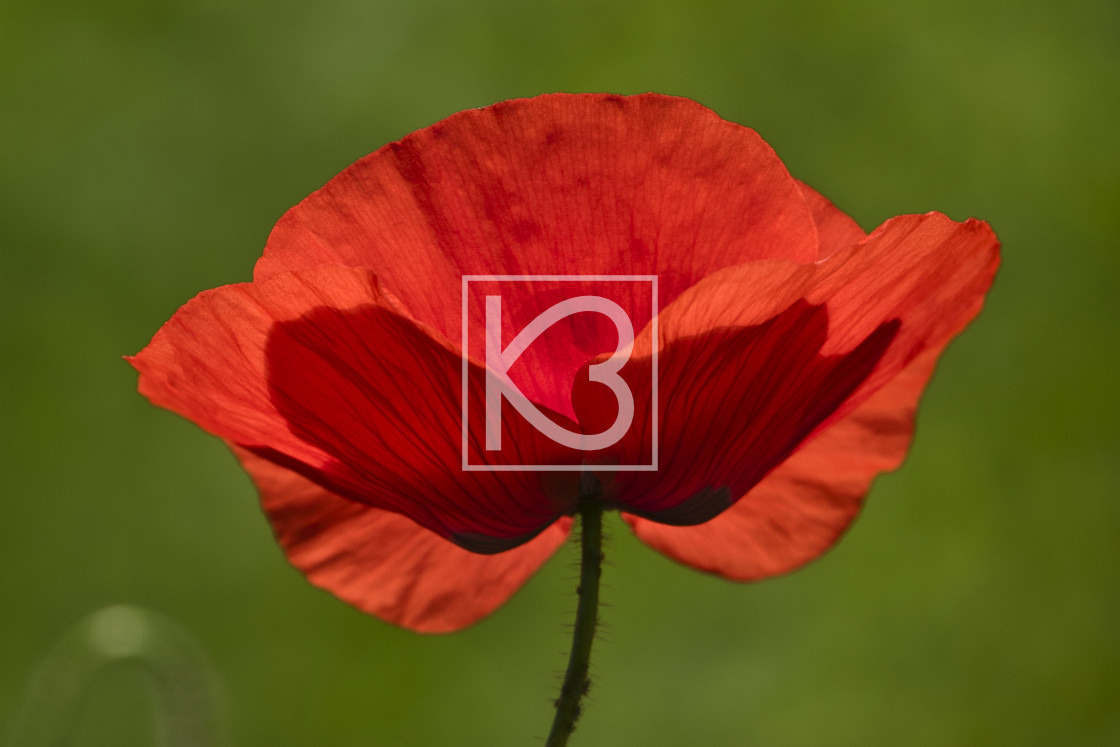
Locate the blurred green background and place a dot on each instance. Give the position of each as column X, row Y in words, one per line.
column 148, row 147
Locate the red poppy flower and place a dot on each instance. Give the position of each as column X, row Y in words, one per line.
column 791, row 352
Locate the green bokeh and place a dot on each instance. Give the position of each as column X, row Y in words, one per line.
column 147, row 149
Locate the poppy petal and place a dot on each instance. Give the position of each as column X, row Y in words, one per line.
column 385, row 564
column 757, row 359
column 733, row 404
column 801, row 508
column 835, row 229
column 324, row 373
column 588, row 183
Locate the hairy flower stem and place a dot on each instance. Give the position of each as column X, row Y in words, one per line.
column 576, row 680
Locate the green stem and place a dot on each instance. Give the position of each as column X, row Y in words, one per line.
column 576, row 680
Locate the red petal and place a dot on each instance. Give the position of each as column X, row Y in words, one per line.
column 385, row 564
column 756, row 359
column 319, row 371
column 559, row 184
column 734, row 403
column 800, row 509
column 835, row 230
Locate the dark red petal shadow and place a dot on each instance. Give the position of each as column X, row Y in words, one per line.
column 562, row 184
column 320, row 372
column 801, row 508
column 385, row 564
column 733, row 403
